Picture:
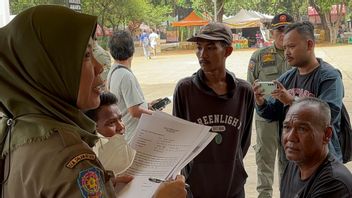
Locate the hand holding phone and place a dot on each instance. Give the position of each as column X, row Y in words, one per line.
column 267, row 87
column 161, row 104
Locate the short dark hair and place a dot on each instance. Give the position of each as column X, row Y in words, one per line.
column 121, row 45
column 224, row 44
column 304, row 28
column 106, row 98
column 323, row 107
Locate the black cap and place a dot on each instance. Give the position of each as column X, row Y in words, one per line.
column 214, row 32
column 281, row 20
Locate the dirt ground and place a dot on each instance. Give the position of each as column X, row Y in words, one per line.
column 159, row 76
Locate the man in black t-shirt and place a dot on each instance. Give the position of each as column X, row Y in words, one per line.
column 312, row 171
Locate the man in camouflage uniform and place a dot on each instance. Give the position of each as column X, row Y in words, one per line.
column 267, row 64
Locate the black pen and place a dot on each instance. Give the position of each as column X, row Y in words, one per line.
column 156, row 180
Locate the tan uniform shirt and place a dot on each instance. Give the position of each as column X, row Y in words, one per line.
column 266, row 64
column 61, row 166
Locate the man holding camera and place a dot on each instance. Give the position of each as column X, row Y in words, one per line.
column 311, row 77
column 267, row 64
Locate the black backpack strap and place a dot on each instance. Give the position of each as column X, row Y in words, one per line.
column 112, row 72
column 109, row 79
column 345, row 135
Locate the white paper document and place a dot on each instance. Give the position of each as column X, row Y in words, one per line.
column 164, row 145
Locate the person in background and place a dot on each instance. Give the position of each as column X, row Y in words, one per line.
column 340, row 34
column 153, row 37
column 259, row 39
column 145, row 42
column 311, row 171
column 45, row 90
column 310, row 77
column 268, row 64
column 213, row 96
column 124, row 84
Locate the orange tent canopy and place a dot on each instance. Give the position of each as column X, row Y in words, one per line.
column 191, row 20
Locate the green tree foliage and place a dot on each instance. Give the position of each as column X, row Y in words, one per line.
column 206, row 7
column 296, row 8
column 324, row 10
column 16, row 6
column 157, row 14
column 119, row 13
column 131, row 13
column 116, row 14
column 113, row 13
column 349, row 6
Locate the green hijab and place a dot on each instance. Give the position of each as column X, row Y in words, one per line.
column 41, row 55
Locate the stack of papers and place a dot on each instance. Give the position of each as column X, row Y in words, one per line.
column 164, row 145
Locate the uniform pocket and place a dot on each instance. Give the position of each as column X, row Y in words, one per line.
column 270, row 70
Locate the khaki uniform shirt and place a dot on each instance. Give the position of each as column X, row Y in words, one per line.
column 62, row 166
column 267, row 64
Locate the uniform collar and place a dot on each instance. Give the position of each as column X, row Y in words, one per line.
column 275, row 50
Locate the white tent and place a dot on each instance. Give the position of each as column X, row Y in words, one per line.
column 4, row 12
column 247, row 18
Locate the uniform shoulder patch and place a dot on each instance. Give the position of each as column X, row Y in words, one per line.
column 251, row 65
column 78, row 158
column 91, row 183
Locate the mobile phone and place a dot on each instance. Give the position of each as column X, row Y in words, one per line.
column 161, row 104
column 267, row 87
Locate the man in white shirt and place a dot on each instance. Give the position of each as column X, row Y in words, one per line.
column 123, row 83
column 153, row 41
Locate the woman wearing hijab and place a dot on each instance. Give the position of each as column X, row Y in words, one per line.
column 48, row 77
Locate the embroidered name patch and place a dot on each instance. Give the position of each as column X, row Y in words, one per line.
column 268, row 58
column 90, row 183
column 85, row 156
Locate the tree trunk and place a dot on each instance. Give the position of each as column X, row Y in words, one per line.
column 335, row 25
column 329, row 30
column 323, row 20
column 328, row 25
column 220, row 10
column 102, row 29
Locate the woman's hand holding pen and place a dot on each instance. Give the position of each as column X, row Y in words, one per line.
column 122, row 179
column 172, row 189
